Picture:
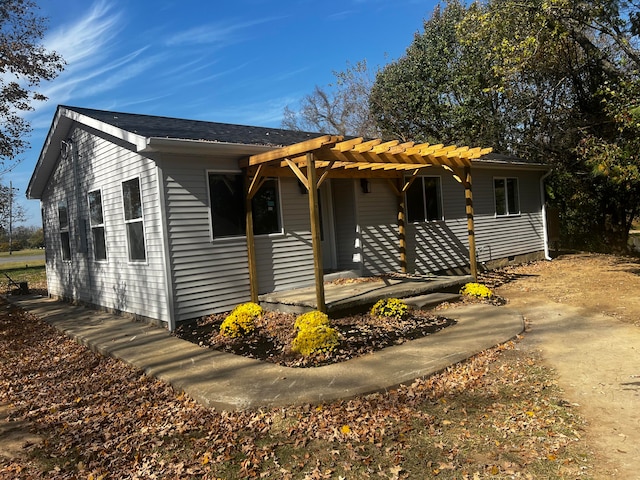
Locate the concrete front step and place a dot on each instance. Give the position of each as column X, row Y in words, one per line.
column 431, row 299
column 346, row 298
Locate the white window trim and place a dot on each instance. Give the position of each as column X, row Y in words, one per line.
column 126, row 222
column 506, row 198
column 104, row 227
column 424, row 198
column 66, row 230
column 233, row 238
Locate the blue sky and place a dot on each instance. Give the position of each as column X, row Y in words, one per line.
column 237, row 61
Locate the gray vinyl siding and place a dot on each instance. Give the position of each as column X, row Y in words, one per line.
column 212, row 275
column 442, row 245
column 135, row 288
column 502, row 237
column 347, row 238
column 377, row 216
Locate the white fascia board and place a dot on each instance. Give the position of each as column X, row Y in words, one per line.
column 59, row 131
column 48, row 155
column 185, row 146
column 496, row 164
column 139, row 142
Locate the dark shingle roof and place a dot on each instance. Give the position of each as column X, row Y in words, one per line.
column 152, row 126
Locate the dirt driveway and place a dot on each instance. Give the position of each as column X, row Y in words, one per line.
column 583, row 316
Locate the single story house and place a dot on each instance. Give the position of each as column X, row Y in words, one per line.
column 171, row 219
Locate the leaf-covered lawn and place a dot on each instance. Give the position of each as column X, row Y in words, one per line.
column 498, row 415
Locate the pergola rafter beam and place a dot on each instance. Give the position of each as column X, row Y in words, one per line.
column 292, row 150
column 366, row 146
column 385, row 147
column 256, row 182
column 325, row 173
column 297, row 172
column 347, row 144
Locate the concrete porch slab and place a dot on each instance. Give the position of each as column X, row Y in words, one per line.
column 345, row 296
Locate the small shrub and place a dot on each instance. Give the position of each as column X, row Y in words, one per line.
column 315, row 335
column 476, row 290
column 240, row 321
column 390, row 308
column 311, row 319
column 315, row 339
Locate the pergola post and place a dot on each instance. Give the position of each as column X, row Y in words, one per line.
column 251, row 246
column 402, row 233
column 468, row 195
column 315, row 231
column 400, row 190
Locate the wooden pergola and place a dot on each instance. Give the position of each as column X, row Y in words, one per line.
column 330, row 156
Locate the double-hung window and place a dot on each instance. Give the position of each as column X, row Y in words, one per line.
column 96, row 222
column 228, row 214
column 506, row 195
column 65, row 236
column 132, row 202
column 424, row 200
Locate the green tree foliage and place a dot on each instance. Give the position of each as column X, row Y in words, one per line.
column 24, row 63
column 437, row 92
column 22, row 237
column 11, row 211
column 341, row 108
column 36, row 237
column 614, row 161
column 551, row 80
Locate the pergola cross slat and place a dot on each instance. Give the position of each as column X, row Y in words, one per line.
column 331, row 156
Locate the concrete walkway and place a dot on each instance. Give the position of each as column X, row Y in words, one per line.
column 227, row 381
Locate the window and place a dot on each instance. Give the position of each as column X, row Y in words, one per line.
column 506, row 196
column 424, row 200
column 65, row 238
column 96, row 222
column 226, row 192
column 132, row 202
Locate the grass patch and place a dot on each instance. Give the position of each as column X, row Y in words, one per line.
column 35, row 276
column 22, row 253
column 16, row 259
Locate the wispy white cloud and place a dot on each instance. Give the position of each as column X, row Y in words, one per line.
column 83, row 81
column 98, row 62
column 286, row 75
column 265, row 113
column 86, row 38
column 219, row 33
column 86, row 45
column 125, row 104
column 341, row 15
column 192, row 66
column 117, row 73
column 214, row 76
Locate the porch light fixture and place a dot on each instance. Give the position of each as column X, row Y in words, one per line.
column 65, row 148
column 365, row 185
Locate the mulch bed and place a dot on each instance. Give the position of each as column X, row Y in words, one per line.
column 271, row 340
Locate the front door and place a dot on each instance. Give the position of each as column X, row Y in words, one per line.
column 327, row 230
